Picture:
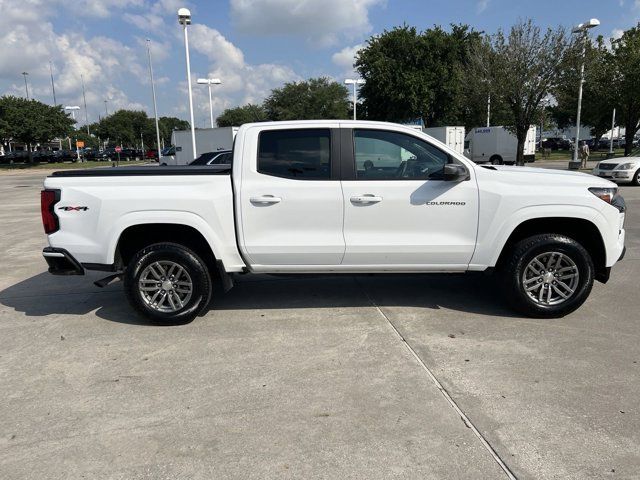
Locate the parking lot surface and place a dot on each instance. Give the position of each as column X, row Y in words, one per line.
column 363, row 377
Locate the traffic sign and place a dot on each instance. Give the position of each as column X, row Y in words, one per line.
column 118, row 149
column 79, row 144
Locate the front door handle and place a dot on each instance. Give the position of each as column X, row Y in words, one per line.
column 365, row 199
column 265, row 199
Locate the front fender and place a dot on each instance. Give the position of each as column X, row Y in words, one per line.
column 494, row 238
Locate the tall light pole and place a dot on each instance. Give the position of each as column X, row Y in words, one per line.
column 73, row 109
column 488, row 110
column 613, row 125
column 355, row 82
column 153, row 91
column 209, row 82
column 106, row 112
column 26, row 86
column 53, row 85
column 582, row 29
column 84, row 98
column 184, row 19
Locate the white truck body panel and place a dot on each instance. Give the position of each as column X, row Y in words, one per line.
column 485, row 143
column 207, row 140
column 453, row 137
column 417, row 225
column 202, row 202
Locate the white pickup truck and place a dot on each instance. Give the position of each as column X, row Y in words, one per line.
column 333, row 197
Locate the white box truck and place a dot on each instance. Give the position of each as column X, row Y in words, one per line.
column 452, row 137
column 207, row 140
column 496, row 145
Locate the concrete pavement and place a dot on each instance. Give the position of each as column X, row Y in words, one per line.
column 307, row 378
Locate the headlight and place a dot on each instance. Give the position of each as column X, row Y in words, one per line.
column 625, row 166
column 604, row 193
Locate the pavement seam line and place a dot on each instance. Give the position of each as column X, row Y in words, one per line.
column 440, row 387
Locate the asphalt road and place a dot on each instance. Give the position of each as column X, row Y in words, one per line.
column 353, row 377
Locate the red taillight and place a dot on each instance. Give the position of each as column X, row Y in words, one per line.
column 48, row 199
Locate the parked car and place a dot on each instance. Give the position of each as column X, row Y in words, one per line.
column 42, row 156
column 151, row 154
column 65, row 155
column 214, row 158
column 556, row 143
column 620, row 170
column 389, row 199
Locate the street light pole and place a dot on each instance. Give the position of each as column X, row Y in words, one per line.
column 209, row 82
column 184, row 19
column 355, row 82
column 53, row 85
column 582, row 29
column 84, row 97
column 489, row 110
column 155, row 106
column 73, row 110
column 613, row 125
column 26, row 86
column 106, row 112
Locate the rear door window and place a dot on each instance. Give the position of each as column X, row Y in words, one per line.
column 303, row 154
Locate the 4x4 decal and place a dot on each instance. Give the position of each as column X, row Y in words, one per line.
column 73, row 209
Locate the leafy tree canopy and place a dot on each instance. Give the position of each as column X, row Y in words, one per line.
column 31, row 122
column 316, row 98
column 239, row 115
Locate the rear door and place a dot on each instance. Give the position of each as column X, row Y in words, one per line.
column 291, row 203
column 399, row 211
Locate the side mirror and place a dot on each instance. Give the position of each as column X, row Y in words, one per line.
column 455, row 173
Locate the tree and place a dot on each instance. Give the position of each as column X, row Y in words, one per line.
column 31, row 122
column 313, row 99
column 598, row 96
column 168, row 125
column 626, row 82
column 246, row 114
column 411, row 74
column 127, row 127
column 522, row 68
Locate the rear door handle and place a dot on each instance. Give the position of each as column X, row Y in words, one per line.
column 265, row 199
column 365, row 199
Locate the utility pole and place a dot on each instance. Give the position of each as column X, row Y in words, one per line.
column 53, row 85
column 26, row 86
column 155, row 106
column 84, row 97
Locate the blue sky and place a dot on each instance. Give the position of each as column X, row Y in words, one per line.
column 252, row 45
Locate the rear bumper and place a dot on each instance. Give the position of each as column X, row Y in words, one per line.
column 61, row 262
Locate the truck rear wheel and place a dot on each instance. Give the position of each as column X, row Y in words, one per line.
column 548, row 276
column 168, row 284
column 496, row 160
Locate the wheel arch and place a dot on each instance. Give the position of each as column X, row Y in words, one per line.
column 581, row 230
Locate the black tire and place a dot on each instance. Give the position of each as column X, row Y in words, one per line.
column 496, row 160
column 196, row 269
column 636, row 179
column 523, row 253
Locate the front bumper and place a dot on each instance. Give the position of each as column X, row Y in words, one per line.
column 615, row 175
column 61, row 262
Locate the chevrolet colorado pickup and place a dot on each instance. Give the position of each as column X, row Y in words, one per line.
column 333, row 197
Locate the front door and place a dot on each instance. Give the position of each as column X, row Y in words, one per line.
column 291, row 199
column 398, row 208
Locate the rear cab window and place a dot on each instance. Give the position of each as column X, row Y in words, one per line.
column 300, row 154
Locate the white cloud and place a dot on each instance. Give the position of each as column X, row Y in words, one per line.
column 244, row 82
column 321, row 22
column 482, row 5
column 345, row 58
column 215, row 46
column 102, row 61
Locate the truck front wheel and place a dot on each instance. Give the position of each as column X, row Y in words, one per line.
column 168, row 284
column 548, row 276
